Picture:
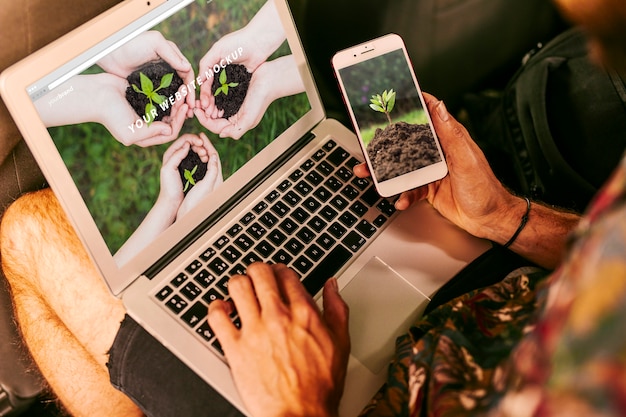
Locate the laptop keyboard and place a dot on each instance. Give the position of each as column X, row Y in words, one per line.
column 315, row 220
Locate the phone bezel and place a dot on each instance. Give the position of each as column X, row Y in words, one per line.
column 366, row 51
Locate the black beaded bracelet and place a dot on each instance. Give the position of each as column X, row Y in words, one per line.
column 521, row 225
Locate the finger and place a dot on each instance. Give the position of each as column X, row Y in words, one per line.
column 361, row 170
column 243, row 294
column 407, row 198
column 336, row 314
column 291, row 289
column 222, row 325
column 267, row 291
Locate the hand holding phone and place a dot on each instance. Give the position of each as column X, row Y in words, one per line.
column 389, row 115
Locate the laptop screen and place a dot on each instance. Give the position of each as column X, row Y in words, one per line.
column 154, row 121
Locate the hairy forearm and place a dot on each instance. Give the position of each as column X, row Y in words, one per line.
column 543, row 238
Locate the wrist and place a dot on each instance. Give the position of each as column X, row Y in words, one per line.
column 505, row 224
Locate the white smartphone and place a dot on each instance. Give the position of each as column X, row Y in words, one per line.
column 389, row 115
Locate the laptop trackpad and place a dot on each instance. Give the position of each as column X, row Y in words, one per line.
column 383, row 305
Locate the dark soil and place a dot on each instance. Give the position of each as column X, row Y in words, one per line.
column 401, row 148
column 154, row 70
column 231, row 103
column 191, row 160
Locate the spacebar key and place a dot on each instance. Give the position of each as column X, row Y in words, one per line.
column 333, row 261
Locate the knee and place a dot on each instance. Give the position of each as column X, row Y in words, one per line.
column 28, row 223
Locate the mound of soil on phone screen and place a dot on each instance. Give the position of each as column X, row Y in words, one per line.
column 231, row 102
column 401, row 148
column 188, row 163
column 154, row 70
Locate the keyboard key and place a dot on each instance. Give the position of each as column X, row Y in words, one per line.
column 322, row 194
column 233, row 231
column 330, row 145
column 319, row 155
column 314, row 252
column 317, row 224
column 176, row 304
column 339, row 202
column 328, row 213
column 272, row 196
column 370, row 197
column 208, row 254
column 280, row 208
column 352, row 162
column 361, row 183
column 294, row 246
column 305, row 234
column 265, row 249
column 282, row 257
column 268, row 220
column 244, row 242
column 359, row 208
column 325, row 168
column 288, row 226
column 256, row 230
column 259, row 208
column 164, row 293
column 179, row 280
column 230, row 254
column 250, row 258
column 300, row 215
column 195, row 314
column 205, row 331
column 303, row 188
column 284, row 186
column 311, row 204
column 307, row 165
column 302, row 265
column 380, row 221
column 314, row 178
column 238, row 269
column 218, row 266
column 221, row 242
column 347, row 219
column 386, row 207
column 292, row 198
column 337, row 156
column 337, row 230
column 191, row 291
column 366, row 228
column 194, row 266
column 334, row 260
column 205, row 278
column 296, row 175
column 325, row 241
column 276, row 237
column 212, row 295
column 350, row 192
column 223, row 284
column 344, row 174
column 334, row 184
column 247, row 219
column 353, row 241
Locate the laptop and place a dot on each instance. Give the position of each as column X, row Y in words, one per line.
column 228, row 159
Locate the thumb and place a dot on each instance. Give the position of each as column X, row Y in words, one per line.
column 336, row 314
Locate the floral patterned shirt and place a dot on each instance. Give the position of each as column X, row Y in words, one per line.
column 532, row 345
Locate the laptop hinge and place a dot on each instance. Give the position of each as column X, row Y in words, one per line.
column 225, row 208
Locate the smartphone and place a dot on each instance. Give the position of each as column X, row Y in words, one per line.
column 389, row 115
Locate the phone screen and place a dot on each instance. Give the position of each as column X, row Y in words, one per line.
column 389, row 114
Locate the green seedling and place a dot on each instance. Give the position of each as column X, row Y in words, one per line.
column 147, row 89
column 224, row 84
column 384, row 103
column 189, row 177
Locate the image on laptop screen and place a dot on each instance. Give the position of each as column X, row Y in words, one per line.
column 153, row 127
